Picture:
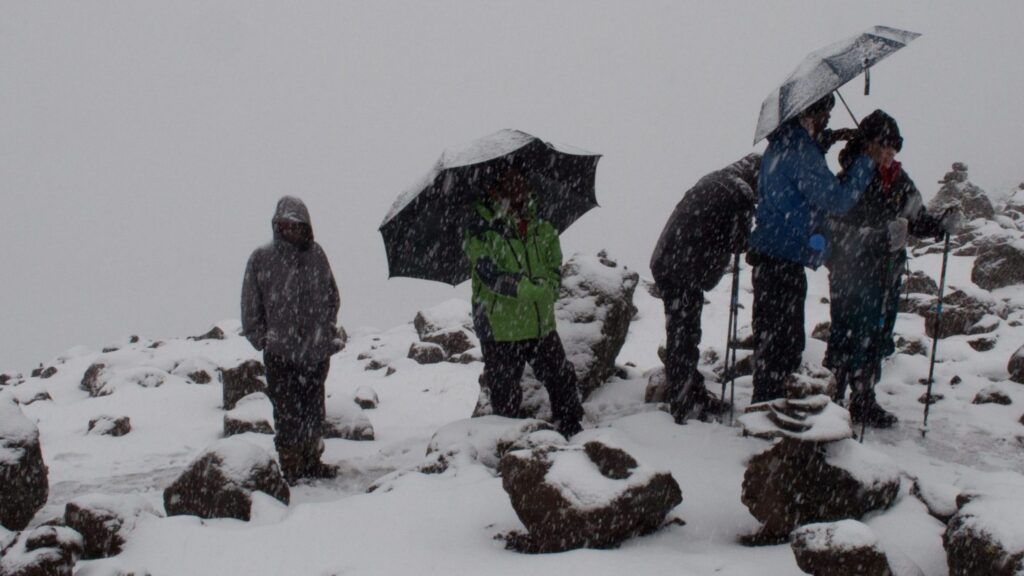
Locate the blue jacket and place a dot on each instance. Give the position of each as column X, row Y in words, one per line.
column 797, row 192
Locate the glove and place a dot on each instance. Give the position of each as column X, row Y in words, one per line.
column 898, row 234
column 950, row 221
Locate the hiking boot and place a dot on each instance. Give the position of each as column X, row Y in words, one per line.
column 702, row 405
column 569, row 427
column 321, row 471
column 867, row 411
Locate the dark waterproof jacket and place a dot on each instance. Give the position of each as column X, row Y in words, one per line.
column 797, row 192
column 710, row 223
column 289, row 297
column 865, row 275
column 516, row 279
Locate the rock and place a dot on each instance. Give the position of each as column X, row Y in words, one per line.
column 984, row 537
column 999, row 265
column 485, row 439
column 449, row 325
column 366, row 397
column 960, row 314
column 593, row 312
column 454, row 341
column 6, row 379
column 92, row 381
column 345, row 419
column 982, row 344
column 391, row 370
column 215, row 333
column 958, row 190
column 242, row 380
column 375, row 365
column 844, row 548
column 253, row 413
column 657, row 386
column 911, row 347
column 219, row 483
column 110, row 426
column 23, row 474
column 467, row 357
column 955, row 381
column 42, row 551
column 795, row 483
column 48, row 372
column 926, row 399
column 595, row 496
column 992, row 395
column 197, row 370
column 105, row 521
column 821, row 331
column 40, row 396
column 940, row 499
column 426, row 353
column 920, row 283
column 989, row 323
column 1016, row 366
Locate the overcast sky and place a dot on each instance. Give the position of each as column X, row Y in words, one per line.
column 143, row 145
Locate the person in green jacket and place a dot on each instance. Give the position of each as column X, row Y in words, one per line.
column 516, row 262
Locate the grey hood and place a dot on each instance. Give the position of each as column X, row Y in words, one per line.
column 291, row 209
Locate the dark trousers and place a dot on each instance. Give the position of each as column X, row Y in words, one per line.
column 780, row 288
column 683, row 307
column 503, row 369
column 297, row 394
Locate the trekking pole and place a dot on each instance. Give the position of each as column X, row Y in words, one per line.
column 734, row 325
column 935, row 337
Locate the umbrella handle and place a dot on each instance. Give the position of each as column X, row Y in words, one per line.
column 847, row 106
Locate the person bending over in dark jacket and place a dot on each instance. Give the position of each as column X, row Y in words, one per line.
column 289, row 309
column 711, row 223
column 796, row 192
column 516, row 261
column 866, row 265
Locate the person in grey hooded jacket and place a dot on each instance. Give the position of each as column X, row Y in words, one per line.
column 289, row 309
column 711, row 223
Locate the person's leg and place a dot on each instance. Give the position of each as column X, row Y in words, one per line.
column 314, row 410
column 780, row 288
column 559, row 378
column 871, row 332
column 683, row 307
column 839, row 354
column 282, row 385
column 503, row 371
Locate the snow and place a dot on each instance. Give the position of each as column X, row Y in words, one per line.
column 841, row 535
column 868, row 466
column 15, row 429
column 255, row 407
column 450, row 314
column 582, row 484
column 238, row 456
column 833, row 423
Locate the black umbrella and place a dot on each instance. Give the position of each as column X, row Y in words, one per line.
column 423, row 231
column 824, row 71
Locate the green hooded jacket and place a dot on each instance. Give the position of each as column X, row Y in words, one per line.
column 515, row 280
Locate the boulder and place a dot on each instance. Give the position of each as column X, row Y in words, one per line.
column 426, row 353
column 1016, row 366
column 999, row 265
column 109, row 426
column 657, row 386
column 197, row 370
column 796, row 482
column 992, row 395
column 366, row 397
column 961, row 315
column 219, row 483
column 242, row 380
column 48, row 372
column 844, row 548
column 593, row 312
column 958, row 190
column 92, row 381
column 594, row 496
column 105, row 521
column 101, row 379
column 23, row 474
column 42, row 551
column 982, row 344
column 254, row 413
column 821, row 331
column 449, row 325
column 920, row 283
column 940, row 499
column 915, row 347
column 985, row 536
column 345, row 419
column 214, row 333
column 485, row 439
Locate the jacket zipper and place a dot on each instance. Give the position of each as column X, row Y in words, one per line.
column 529, row 270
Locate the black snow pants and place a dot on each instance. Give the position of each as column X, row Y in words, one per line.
column 503, row 369
column 780, row 288
column 683, row 308
column 297, row 394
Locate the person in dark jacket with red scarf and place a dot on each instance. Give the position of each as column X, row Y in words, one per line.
column 866, row 264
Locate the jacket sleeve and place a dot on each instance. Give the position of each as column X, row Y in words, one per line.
column 816, row 182
column 550, row 275
column 922, row 224
column 481, row 261
column 254, row 318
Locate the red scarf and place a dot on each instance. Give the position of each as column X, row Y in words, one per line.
column 889, row 175
column 523, row 225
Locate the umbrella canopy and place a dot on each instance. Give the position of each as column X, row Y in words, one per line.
column 423, row 231
column 824, row 71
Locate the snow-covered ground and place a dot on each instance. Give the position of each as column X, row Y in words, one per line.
column 446, row 523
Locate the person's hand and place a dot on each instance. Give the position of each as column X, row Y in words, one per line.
column 951, row 219
column 844, row 134
column 898, row 230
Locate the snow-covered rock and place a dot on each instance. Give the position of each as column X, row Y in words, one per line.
column 1016, row 366
column 485, row 439
column 999, row 265
column 242, row 380
column 986, row 535
column 939, row 498
column 449, row 325
column 43, row 551
column 994, row 394
column 594, row 496
column 426, row 353
column 197, row 370
column 104, row 378
column 110, row 426
column 795, row 483
column 219, row 483
column 844, row 548
column 366, row 397
column 957, row 189
column 253, row 413
column 105, row 521
column 345, row 419
column 24, row 484
column 919, row 283
column 657, row 386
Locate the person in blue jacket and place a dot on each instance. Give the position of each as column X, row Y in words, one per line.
column 797, row 192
